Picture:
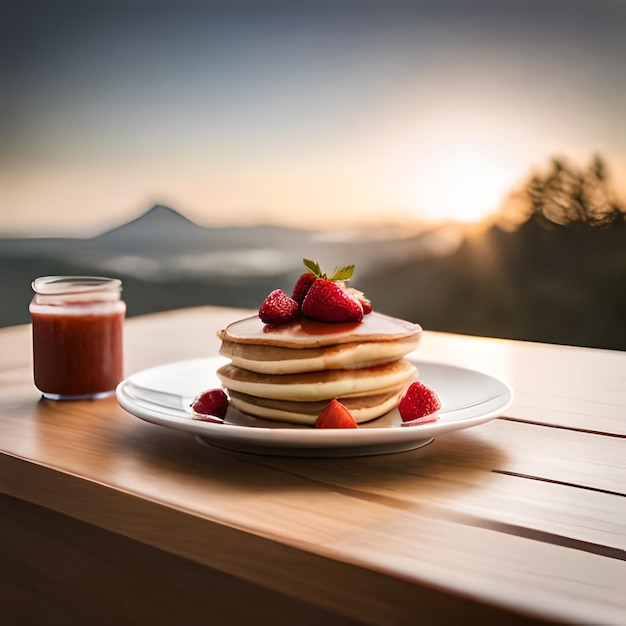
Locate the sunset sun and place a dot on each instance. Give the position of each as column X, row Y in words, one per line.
column 464, row 186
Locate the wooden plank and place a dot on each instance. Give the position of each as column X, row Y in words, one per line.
column 575, row 586
column 565, row 386
column 57, row 570
column 352, row 590
column 497, row 569
column 456, row 477
column 101, row 442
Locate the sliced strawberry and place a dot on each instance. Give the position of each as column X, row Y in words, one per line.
column 302, row 286
column 212, row 402
column 418, row 402
column 335, row 415
column 366, row 304
column 360, row 296
column 278, row 308
column 328, row 301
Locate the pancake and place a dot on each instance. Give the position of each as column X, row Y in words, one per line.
column 277, row 360
column 290, row 372
column 323, row 385
column 307, row 333
column 363, row 409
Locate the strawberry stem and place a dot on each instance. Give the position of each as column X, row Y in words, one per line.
column 313, row 267
column 343, row 272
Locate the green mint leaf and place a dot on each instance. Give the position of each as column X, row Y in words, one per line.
column 313, row 267
column 343, row 273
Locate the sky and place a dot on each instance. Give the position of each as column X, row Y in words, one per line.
column 298, row 113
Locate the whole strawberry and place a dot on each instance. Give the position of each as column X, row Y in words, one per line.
column 326, row 298
column 419, row 404
column 328, row 301
column 278, row 308
column 306, row 280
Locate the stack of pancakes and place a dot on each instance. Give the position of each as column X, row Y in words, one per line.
column 289, row 373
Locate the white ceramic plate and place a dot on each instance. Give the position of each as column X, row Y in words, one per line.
column 161, row 395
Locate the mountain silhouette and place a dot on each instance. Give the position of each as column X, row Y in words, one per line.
column 157, row 226
column 162, row 231
column 164, row 242
column 158, row 214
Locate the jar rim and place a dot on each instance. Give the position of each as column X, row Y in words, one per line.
column 61, row 285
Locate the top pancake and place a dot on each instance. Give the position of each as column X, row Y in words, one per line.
column 307, row 333
column 274, row 360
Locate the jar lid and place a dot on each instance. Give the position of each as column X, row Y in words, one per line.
column 70, row 285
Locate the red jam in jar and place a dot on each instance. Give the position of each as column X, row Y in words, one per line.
column 77, row 336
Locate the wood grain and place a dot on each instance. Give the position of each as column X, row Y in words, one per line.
column 81, row 574
column 519, row 519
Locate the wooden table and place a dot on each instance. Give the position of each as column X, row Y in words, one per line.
column 109, row 519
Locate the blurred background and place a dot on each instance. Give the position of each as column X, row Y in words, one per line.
column 468, row 157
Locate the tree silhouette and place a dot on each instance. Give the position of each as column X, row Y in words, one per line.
column 566, row 195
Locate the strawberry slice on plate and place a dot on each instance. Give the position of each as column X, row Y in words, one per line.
column 209, row 404
column 335, row 415
column 419, row 405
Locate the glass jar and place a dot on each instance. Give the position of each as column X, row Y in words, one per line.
column 77, row 336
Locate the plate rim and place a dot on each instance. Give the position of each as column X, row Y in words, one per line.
column 305, row 436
